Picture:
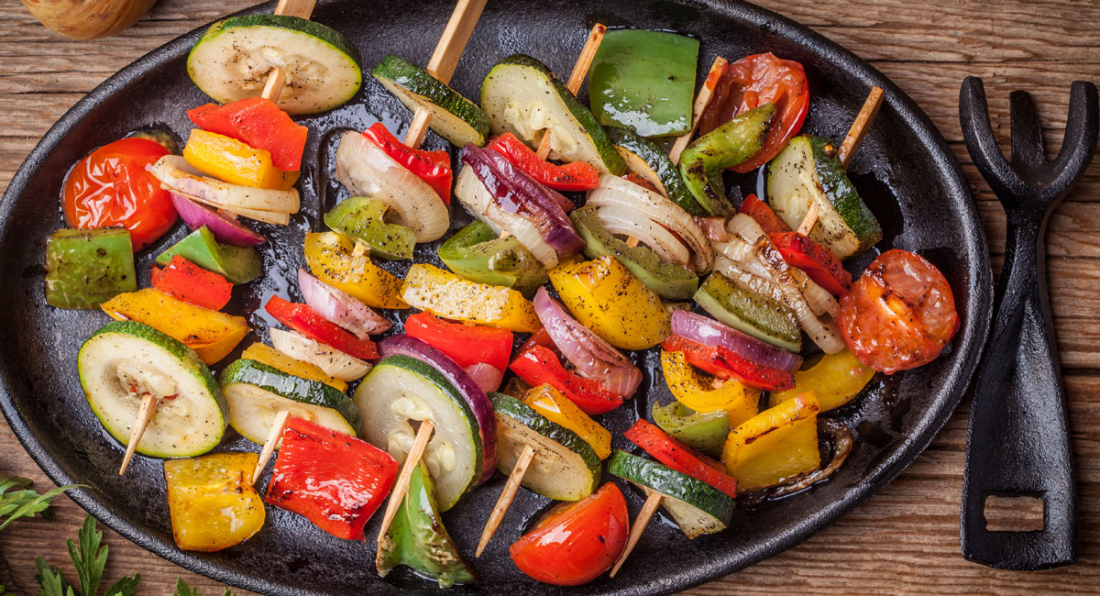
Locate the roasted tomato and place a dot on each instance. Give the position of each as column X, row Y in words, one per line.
column 112, row 188
column 574, row 543
column 900, row 313
column 754, row 81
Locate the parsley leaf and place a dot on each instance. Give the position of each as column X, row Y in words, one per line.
column 18, row 500
column 50, row 580
column 89, row 560
column 182, row 589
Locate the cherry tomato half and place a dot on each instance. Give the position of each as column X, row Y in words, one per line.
column 112, row 188
column 751, row 82
column 574, row 543
column 900, row 313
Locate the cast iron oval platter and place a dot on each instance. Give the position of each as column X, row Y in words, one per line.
column 905, row 171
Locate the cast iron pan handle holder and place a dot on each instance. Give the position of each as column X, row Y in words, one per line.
column 1018, row 441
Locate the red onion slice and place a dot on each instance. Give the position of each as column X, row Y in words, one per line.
column 487, row 376
column 341, row 308
column 475, row 397
column 707, row 331
column 224, row 229
column 591, row 354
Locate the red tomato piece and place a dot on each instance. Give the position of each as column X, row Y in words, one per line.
column 305, row 320
column 433, row 167
column 751, row 82
column 763, row 214
column 334, row 480
column 191, row 283
column 539, row 364
column 465, row 344
column 680, row 457
column 259, row 123
column 575, row 175
column 724, row 364
column 574, row 543
column 819, row 263
column 112, row 188
column 900, row 313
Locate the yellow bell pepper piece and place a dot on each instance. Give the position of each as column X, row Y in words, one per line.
column 265, row 354
column 210, row 333
column 607, row 299
column 443, row 293
column 777, row 444
column 704, row 393
column 557, row 408
column 836, row 379
column 233, row 161
column 211, row 502
column 332, row 258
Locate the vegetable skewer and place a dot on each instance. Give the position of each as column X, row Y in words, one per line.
column 420, row 444
column 576, row 78
column 276, row 79
column 648, row 509
column 445, row 59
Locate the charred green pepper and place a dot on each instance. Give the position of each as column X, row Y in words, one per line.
column 476, row 254
column 235, row 263
column 748, row 311
column 85, row 268
column 703, row 162
column 418, row 540
column 670, row 281
column 702, row 431
column 362, row 219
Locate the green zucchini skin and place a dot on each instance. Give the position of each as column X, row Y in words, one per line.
column 843, row 195
column 291, row 387
column 415, row 87
column 750, row 312
column 713, row 508
column 672, row 181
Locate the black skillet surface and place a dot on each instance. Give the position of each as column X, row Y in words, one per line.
column 905, row 172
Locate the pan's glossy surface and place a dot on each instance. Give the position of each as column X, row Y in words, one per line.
column 905, row 172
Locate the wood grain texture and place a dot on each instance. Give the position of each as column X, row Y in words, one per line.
column 905, row 538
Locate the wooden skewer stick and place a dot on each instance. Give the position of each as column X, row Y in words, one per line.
column 701, row 102
column 276, row 79
column 423, row 435
column 506, row 497
column 144, row 416
column 849, row 147
column 445, row 59
column 576, row 78
column 273, row 436
column 653, row 500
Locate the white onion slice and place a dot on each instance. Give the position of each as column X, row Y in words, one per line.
column 628, row 222
column 480, row 203
column 334, row 362
column 176, row 175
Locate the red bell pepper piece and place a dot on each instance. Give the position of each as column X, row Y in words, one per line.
column 305, row 320
column 191, row 283
column 334, row 480
column 763, row 214
column 539, row 364
column 261, row 124
column 433, row 167
column 576, row 175
column 465, row 344
column 724, row 364
column 817, row 261
column 680, row 457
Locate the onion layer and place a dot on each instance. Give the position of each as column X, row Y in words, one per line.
column 709, row 332
column 224, row 229
column 628, row 222
column 593, row 357
column 457, row 376
column 340, row 308
column 480, row 203
column 487, row 376
column 176, row 175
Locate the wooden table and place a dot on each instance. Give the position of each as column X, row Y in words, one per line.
column 905, row 538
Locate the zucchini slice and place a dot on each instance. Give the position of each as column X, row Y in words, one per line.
column 401, row 390
column 123, row 355
column 523, row 97
column 257, row 392
column 745, row 310
column 804, row 173
column 697, row 507
column 232, row 59
column 565, row 467
column 454, row 117
column 648, row 161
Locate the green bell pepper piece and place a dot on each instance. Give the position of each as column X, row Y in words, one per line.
column 417, row 538
column 703, row 162
column 362, row 219
column 476, row 254
column 670, row 281
column 85, row 268
column 702, row 431
column 644, row 80
column 237, row 264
